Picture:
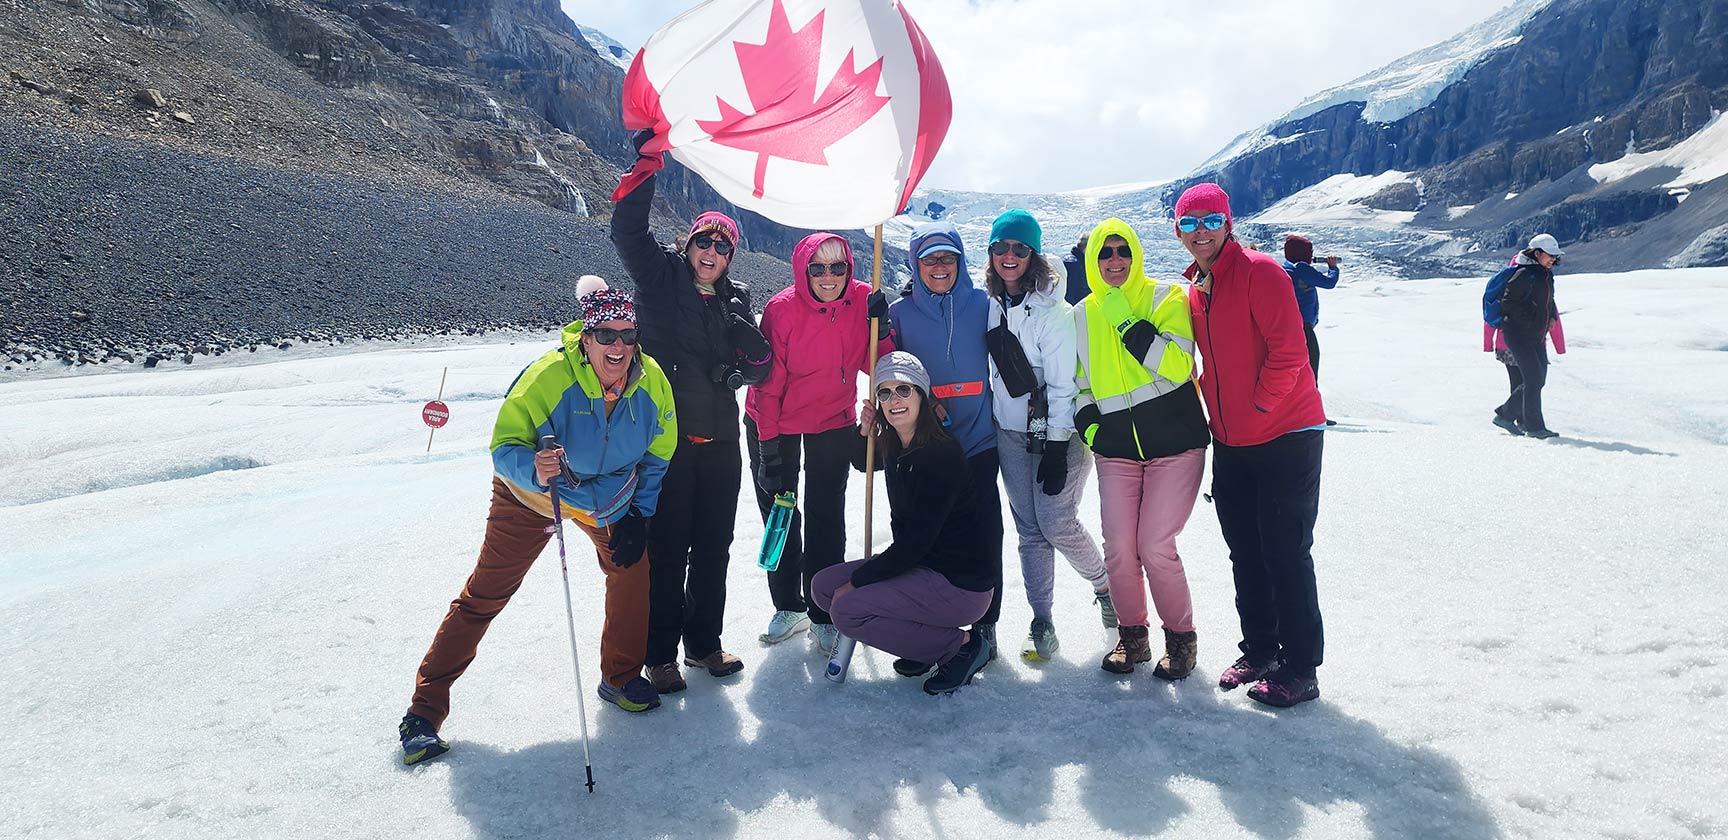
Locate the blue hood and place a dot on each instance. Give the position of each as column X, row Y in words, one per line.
column 946, row 333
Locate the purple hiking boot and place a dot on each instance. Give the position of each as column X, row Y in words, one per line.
column 1246, row 670
column 1285, row 689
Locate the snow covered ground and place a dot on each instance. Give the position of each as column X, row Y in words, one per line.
column 219, row 580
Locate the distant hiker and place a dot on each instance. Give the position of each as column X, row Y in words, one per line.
column 1075, row 266
column 1519, row 302
column 943, row 322
column 806, row 411
column 1494, row 341
column 611, row 408
column 1268, row 423
column 699, row 324
column 913, row 597
column 1298, row 259
column 1032, row 360
column 1140, row 414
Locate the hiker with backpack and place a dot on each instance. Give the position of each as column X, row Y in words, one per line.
column 1298, row 263
column 596, row 386
column 913, row 597
column 1032, row 361
column 699, row 324
column 803, row 416
column 1140, row 414
column 1519, row 303
column 1268, row 424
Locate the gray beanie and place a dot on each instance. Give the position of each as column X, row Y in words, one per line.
column 901, row 366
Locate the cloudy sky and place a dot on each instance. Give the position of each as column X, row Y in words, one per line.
column 1060, row 94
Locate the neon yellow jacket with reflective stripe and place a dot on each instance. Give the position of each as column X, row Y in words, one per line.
column 1137, row 397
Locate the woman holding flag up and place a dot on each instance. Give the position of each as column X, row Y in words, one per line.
column 803, row 414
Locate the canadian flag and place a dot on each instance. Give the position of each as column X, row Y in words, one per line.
column 814, row 113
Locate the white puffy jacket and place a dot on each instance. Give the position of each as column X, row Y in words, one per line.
column 1045, row 326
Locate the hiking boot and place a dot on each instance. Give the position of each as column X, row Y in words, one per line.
column 1541, row 434
column 1134, row 646
column 959, row 669
column 719, row 664
column 1179, row 652
column 826, row 637
column 637, row 695
column 420, row 739
column 1508, row 424
column 667, row 679
column 784, row 625
column 988, row 631
column 911, row 667
column 1285, row 688
column 1041, row 644
column 1106, row 608
column 1245, row 670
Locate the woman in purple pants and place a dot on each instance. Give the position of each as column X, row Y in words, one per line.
column 912, row 598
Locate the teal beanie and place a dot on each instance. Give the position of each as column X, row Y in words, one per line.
column 1018, row 224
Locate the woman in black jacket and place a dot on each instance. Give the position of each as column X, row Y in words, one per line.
column 1528, row 310
column 912, row 598
column 698, row 324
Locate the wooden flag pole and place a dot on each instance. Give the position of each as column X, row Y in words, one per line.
column 434, row 429
column 870, row 391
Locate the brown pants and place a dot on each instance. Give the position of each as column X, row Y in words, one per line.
column 515, row 536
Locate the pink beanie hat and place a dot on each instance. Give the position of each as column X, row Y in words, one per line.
column 716, row 221
column 1201, row 199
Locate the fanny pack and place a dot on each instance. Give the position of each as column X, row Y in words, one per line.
column 1010, row 358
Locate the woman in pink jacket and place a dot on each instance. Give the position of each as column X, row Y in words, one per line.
column 806, row 411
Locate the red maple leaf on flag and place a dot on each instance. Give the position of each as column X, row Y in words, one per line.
column 791, row 121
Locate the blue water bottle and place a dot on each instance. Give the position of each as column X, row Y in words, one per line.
column 774, row 535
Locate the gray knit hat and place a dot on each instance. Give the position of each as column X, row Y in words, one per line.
column 901, row 366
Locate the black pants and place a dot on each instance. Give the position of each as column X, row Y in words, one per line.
column 817, row 536
column 1313, row 350
column 1268, row 497
column 1514, row 379
column 985, row 467
column 1525, row 403
column 689, row 547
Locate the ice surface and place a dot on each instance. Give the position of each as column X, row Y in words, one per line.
column 1701, row 158
column 1334, row 200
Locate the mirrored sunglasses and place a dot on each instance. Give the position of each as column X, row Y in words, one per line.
column 1189, row 224
column 902, row 390
column 1002, row 248
column 838, row 269
column 609, row 336
column 712, row 240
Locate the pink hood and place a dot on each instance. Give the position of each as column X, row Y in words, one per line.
column 819, row 351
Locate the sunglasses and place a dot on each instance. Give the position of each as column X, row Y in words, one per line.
column 609, row 336
column 1123, row 251
column 838, row 269
column 1189, row 224
column 902, row 390
column 939, row 259
column 1020, row 250
column 711, row 240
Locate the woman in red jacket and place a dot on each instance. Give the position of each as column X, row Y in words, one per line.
column 1267, row 420
column 806, row 411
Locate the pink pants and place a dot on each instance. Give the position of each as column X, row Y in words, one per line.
column 1145, row 504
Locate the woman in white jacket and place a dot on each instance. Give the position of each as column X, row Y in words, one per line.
column 1033, row 390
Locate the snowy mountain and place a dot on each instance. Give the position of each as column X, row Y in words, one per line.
column 1594, row 120
column 220, row 580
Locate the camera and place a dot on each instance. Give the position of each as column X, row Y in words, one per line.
column 727, row 374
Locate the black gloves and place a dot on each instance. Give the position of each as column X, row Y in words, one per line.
column 1053, row 467
column 748, row 340
column 629, row 539
column 770, row 467
column 877, row 306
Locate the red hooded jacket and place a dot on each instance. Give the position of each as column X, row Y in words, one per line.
column 1254, row 374
column 819, row 351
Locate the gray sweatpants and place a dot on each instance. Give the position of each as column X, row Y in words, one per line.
column 1047, row 524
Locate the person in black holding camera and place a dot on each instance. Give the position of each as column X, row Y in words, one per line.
column 699, row 325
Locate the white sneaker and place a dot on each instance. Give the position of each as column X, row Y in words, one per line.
column 826, row 637
column 784, row 625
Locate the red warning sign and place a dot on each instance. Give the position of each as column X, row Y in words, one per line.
column 436, row 414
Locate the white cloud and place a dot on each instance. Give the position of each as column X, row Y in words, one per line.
column 1055, row 94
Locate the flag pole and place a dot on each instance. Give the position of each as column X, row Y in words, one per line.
column 441, row 380
column 842, row 659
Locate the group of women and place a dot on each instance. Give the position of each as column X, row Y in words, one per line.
column 976, row 385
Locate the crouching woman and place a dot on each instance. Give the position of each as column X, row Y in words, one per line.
column 912, row 598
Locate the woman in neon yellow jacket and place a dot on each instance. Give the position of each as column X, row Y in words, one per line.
column 1140, row 413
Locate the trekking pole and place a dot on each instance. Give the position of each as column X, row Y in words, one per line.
column 841, row 662
column 551, row 442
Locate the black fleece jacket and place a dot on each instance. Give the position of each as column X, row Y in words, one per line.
column 692, row 336
column 933, row 516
